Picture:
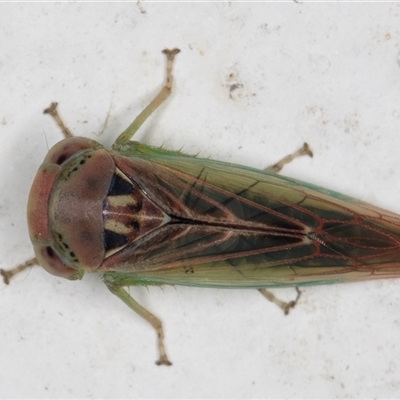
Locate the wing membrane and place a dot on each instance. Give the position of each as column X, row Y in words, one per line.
column 239, row 227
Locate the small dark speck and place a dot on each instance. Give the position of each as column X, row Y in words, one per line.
column 91, row 183
column 235, row 86
column 134, row 224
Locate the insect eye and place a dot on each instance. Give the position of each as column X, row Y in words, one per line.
column 61, row 159
column 52, row 263
column 49, row 251
column 63, row 150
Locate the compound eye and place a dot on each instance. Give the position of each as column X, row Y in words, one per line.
column 52, row 263
column 65, row 149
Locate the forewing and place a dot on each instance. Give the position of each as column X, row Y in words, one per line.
column 236, row 226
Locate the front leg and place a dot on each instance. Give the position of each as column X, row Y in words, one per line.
column 156, row 323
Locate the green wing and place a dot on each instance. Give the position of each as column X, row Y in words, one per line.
column 233, row 226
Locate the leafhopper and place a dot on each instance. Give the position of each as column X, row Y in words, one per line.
column 143, row 215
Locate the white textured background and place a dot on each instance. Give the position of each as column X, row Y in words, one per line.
column 325, row 73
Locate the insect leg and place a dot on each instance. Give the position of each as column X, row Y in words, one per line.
column 7, row 275
column 304, row 151
column 147, row 315
column 277, row 167
column 281, row 304
column 53, row 112
column 157, row 101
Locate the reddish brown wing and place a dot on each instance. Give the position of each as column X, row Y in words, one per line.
column 234, row 226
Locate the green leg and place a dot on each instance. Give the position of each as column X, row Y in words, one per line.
column 158, row 100
column 148, row 316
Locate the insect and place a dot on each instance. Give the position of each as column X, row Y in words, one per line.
column 143, row 215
